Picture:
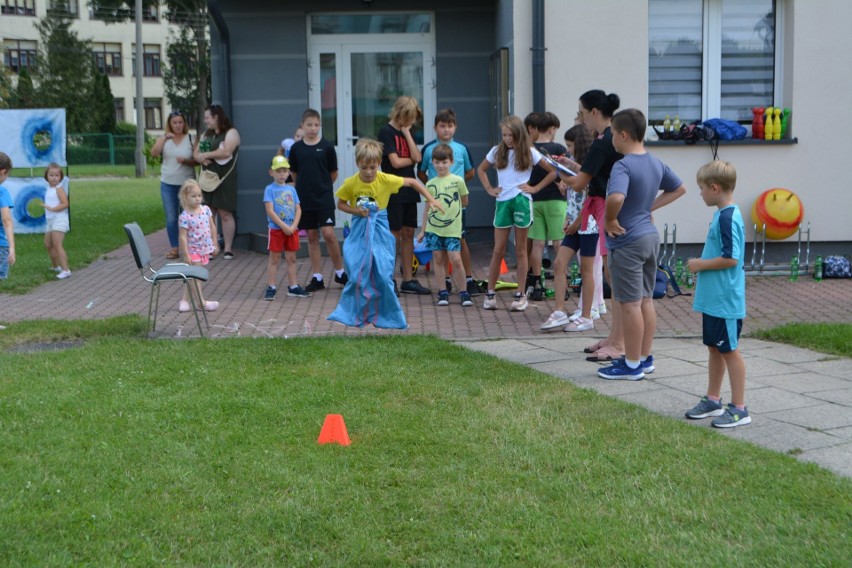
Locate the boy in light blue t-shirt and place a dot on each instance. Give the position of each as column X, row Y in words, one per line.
column 7, row 231
column 720, row 296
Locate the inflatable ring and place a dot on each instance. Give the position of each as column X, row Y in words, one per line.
column 24, row 197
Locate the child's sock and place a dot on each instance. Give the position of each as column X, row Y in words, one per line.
column 714, row 398
column 318, row 277
column 469, row 278
column 739, row 406
column 338, row 273
column 632, row 364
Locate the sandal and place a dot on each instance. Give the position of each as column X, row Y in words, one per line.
column 596, row 346
column 172, row 254
column 604, row 354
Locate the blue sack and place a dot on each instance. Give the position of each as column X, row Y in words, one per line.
column 726, row 129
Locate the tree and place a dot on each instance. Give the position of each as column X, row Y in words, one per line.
column 103, row 105
column 7, row 90
column 25, row 95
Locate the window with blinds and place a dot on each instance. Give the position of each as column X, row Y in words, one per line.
column 710, row 58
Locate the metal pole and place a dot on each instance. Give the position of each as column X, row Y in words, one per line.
column 140, row 102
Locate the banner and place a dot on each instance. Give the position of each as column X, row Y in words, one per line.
column 27, row 197
column 33, row 137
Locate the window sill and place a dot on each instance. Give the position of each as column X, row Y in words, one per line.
column 743, row 142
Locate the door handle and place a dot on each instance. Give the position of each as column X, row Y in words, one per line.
column 352, row 138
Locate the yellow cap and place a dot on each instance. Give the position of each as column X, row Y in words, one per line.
column 279, row 162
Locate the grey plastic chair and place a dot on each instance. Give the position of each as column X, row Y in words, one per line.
column 172, row 272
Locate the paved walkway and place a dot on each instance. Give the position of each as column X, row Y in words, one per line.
column 801, row 401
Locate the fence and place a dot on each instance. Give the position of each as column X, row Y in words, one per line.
column 101, row 148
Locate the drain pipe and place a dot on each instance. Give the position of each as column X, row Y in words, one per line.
column 225, row 38
column 538, row 50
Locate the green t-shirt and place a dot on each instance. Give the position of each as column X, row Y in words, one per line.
column 448, row 191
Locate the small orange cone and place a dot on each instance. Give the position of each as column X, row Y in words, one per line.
column 503, row 268
column 334, row 431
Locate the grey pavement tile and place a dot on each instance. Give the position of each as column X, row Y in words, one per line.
column 666, row 366
column 803, row 383
column 695, row 384
column 835, row 458
column 571, row 369
column 534, row 355
column 781, row 436
column 666, row 344
column 823, row 416
column 839, row 367
column 663, row 401
column 760, row 367
column 772, row 399
column 839, row 396
column 693, row 353
column 783, row 353
column 621, row 388
column 499, row 347
column 845, row 432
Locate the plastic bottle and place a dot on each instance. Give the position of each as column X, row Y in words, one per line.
column 345, row 229
column 818, row 269
column 690, row 279
column 794, row 268
column 676, row 124
column 575, row 272
column 680, row 277
column 667, row 126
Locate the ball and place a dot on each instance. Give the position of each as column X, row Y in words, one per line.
column 780, row 210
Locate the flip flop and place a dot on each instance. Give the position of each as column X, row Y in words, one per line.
column 604, row 354
column 596, row 346
column 172, row 254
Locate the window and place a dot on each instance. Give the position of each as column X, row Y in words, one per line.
column 119, row 109
column 18, row 7
column 68, row 8
column 150, row 60
column 124, row 12
column 711, row 58
column 108, row 58
column 153, row 113
column 19, row 54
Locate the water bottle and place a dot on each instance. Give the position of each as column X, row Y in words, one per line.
column 575, row 272
column 667, row 126
column 794, row 269
column 541, row 278
column 345, row 229
column 676, row 124
column 818, row 269
column 680, row 277
column 690, row 279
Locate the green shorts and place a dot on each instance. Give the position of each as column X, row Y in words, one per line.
column 515, row 212
column 548, row 219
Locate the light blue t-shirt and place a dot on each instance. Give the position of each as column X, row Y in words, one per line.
column 640, row 177
column 5, row 201
column 721, row 293
column 461, row 159
column 284, row 200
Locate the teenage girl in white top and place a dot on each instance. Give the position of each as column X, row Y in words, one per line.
column 56, row 214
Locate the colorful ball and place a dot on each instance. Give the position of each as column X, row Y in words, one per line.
column 780, row 210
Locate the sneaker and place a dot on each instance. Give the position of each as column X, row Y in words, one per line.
column 594, row 314
column 448, row 282
column 537, row 294
column 342, row 279
column 705, row 408
column 443, row 298
column 465, row 299
column 732, row 417
column 269, row 295
column 556, row 319
column 183, row 306
column 210, row 305
column 414, row 287
column 520, row 304
column 490, row 302
column 64, row 274
column 648, row 365
column 227, row 256
column 315, row 284
column 57, row 269
column 298, row 292
column 580, row 324
column 601, row 308
column 472, row 288
column 619, row 371
column 395, row 288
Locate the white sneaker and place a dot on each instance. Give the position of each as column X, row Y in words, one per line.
column 579, row 313
column 64, row 274
column 580, row 324
column 490, row 302
column 556, row 319
column 602, row 308
column 520, row 303
column 57, row 269
column 575, row 315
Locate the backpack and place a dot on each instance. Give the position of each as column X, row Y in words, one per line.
column 695, row 132
column 726, row 129
column 836, row 267
column 666, row 279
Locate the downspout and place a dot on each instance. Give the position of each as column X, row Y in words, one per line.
column 225, row 38
column 538, row 50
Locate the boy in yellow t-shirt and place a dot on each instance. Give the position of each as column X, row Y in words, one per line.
column 370, row 250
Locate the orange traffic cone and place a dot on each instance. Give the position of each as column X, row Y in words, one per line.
column 503, row 268
column 334, row 431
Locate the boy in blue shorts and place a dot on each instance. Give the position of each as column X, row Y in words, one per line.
column 7, row 231
column 720, row 296
column 632, row 194
column 443, row 230
column 462, row 166
column 283, row 212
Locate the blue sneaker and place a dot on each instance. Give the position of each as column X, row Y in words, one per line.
column 619, row 371
column 648, row 365
column 705, row 409
column 298, row 292
column 732, row 417
column 269, row 295
column 443, row 298
column 466, row 301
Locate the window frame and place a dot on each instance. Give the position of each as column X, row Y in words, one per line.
column 18, row 8
column 8, row 49
column 99, row 49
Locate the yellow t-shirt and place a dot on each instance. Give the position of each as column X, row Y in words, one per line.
column 379, row 191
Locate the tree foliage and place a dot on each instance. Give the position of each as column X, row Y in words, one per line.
column 103, row 104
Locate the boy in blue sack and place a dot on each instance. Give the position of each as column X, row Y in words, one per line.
column 7, row 231
column 720, row 296
column 369, row 252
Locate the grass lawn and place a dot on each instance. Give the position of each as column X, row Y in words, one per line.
column 99, row 209
column 125, row 451
column 834, row 338
column 92, row 170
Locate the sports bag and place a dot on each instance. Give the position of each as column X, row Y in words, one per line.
column 666, row 279
column 726, row 129
column 836, row 267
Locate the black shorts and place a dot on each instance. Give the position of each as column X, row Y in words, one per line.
column 402, row 215
column 586, row 244
column 721, row 334
column 316, row 218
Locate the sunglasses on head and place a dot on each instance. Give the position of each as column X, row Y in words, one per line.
column 175, row 113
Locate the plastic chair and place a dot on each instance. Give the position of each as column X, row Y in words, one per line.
column 180, row 272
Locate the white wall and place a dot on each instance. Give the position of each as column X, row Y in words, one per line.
column 604, row 44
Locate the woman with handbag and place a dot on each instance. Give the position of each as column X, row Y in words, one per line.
column 217, row 150
column 175, row 146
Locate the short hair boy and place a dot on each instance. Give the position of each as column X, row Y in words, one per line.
column 632, row 240
column 720, row 296
column 370, row 250
column 283, row 212
column 443, row 230
column 7, row 230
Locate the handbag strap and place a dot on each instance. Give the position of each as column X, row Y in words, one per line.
column 234, row 165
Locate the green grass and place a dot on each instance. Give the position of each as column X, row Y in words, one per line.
column 203, row 452
column 833, row 338
column 92, row 170
column 99, row 209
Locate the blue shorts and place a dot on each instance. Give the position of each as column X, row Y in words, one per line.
column 721, row 334
column 4, row 263
column 436, row 242
column 586, row 244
